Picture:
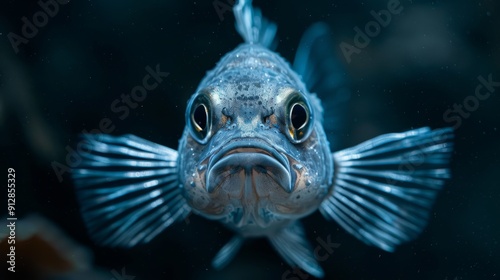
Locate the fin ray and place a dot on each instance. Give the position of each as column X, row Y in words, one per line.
column 252, row 26
column 293, row 247
column 227, row 253
column 385, row 187
column 128, row 189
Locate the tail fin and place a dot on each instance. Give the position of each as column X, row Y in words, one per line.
column 385, row 187
column 252, row 26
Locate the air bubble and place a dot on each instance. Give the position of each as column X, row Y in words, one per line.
column 202, row 167
column 308, row 182
column 298, row 166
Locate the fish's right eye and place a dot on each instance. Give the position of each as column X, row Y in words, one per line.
column 199, row 118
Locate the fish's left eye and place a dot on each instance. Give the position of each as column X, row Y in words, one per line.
column 298, row 118
column 199, row 118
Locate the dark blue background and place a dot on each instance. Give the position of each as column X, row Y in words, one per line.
column 427, row 59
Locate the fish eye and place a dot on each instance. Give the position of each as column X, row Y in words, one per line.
column 299, row 118
column 199, row 119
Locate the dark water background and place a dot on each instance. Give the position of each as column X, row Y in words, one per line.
column 427, row 59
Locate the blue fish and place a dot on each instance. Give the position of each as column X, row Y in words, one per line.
column 254, row 156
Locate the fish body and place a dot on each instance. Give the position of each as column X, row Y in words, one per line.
column 249, row 174
column 254, row 156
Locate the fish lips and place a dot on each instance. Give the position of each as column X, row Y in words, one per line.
column 256, row 158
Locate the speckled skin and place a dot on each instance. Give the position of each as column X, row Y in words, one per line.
column 249, row 90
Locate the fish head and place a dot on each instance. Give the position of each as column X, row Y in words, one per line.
column 254, row 150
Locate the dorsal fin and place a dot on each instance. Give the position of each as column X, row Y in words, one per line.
column 325, row 76
column 252, row 26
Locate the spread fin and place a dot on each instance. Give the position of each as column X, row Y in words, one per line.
column 227, row 253
column 293, row 247
column 252, row 26
column 325, row 77
column 128, row 189
column 384, row 188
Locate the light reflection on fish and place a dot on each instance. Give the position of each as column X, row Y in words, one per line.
column 254, row 155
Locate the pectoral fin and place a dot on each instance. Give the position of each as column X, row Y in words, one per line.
column 384, row 188
column 128, row 189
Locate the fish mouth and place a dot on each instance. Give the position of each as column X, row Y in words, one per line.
column 250, row 162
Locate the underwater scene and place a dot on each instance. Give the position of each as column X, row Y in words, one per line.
column 239, row 139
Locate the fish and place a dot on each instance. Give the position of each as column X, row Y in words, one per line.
column 255, row 156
